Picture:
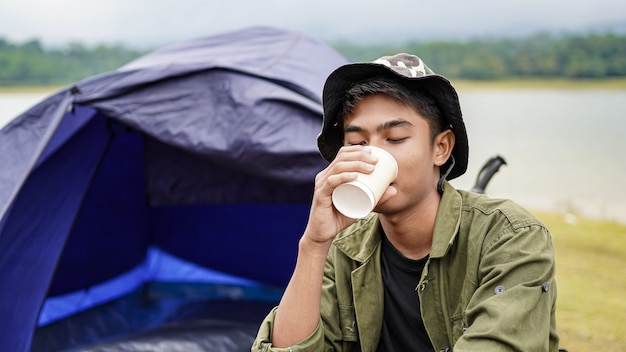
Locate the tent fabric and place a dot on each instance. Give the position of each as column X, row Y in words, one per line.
column 203, row 150
column 218, row 317
column 159, row 266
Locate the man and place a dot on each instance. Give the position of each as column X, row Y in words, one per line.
column 432, row 268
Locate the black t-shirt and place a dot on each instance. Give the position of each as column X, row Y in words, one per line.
column 403, row 327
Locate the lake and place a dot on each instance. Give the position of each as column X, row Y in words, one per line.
column 13, row 104
column 563, row 147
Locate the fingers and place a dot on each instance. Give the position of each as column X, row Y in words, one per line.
column 350, row 161
column 356, row 152
column 324, row 220
column 353, row 159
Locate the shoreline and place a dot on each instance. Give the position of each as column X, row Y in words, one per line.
column 537, row 83
column 618, row 83
column 29, row 89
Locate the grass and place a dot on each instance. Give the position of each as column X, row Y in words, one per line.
column 591, row 303
column 613, row 83
column 28, row 89
column 530, row 83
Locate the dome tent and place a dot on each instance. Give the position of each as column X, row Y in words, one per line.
column 173, row 188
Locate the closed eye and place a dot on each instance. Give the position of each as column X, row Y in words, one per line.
column 396, row 140
column 359, row 143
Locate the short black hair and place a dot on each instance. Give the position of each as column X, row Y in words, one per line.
column 421, row 101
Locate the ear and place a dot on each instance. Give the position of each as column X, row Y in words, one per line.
column 442, row 147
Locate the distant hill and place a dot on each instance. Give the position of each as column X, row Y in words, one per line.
column 513, row 30
column 596, row 55
column 544, row 55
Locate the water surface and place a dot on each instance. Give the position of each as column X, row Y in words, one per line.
column 564, row 148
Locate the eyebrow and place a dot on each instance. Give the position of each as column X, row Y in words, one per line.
column 384, row 126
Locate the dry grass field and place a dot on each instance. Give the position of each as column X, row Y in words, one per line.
column 535, row 83
column 591, row 279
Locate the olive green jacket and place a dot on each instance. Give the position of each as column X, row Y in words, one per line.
column 488, row 284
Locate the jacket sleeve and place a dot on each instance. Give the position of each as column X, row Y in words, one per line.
column 263, row 341
column 325, row 337
column 512, row 308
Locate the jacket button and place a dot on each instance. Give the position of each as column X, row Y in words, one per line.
column 499, row 289
column 545, row 287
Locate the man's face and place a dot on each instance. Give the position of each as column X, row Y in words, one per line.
column 381, row 121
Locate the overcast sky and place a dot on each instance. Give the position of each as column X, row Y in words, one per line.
column 151, row 23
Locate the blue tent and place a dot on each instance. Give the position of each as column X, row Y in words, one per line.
column 182, row 178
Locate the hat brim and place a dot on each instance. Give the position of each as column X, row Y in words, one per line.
column 330, row 139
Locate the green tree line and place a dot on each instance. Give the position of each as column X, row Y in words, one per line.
column 539, row 56
column 591, row 56
column 29, row 63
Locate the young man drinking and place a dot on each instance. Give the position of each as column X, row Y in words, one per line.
column 432, row 268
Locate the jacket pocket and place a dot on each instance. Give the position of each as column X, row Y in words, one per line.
column 347, row 319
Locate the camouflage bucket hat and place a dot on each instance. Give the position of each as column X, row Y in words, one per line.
column 412, row 71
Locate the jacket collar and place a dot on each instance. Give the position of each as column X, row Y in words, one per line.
column 447, row 222
column 360, row 240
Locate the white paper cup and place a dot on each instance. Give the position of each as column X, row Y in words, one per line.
column 358, row 198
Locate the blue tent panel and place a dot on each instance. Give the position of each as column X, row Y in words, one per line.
column 113, row 225
column 253, row 241
column 199, row 155
column 41, row 216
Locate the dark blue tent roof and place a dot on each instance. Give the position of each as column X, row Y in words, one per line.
column 199, row 156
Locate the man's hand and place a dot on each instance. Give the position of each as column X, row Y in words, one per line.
column 324, row 220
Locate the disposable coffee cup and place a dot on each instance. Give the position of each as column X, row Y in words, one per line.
column 358, row 198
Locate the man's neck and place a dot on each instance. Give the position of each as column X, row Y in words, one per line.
column 411, row 231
